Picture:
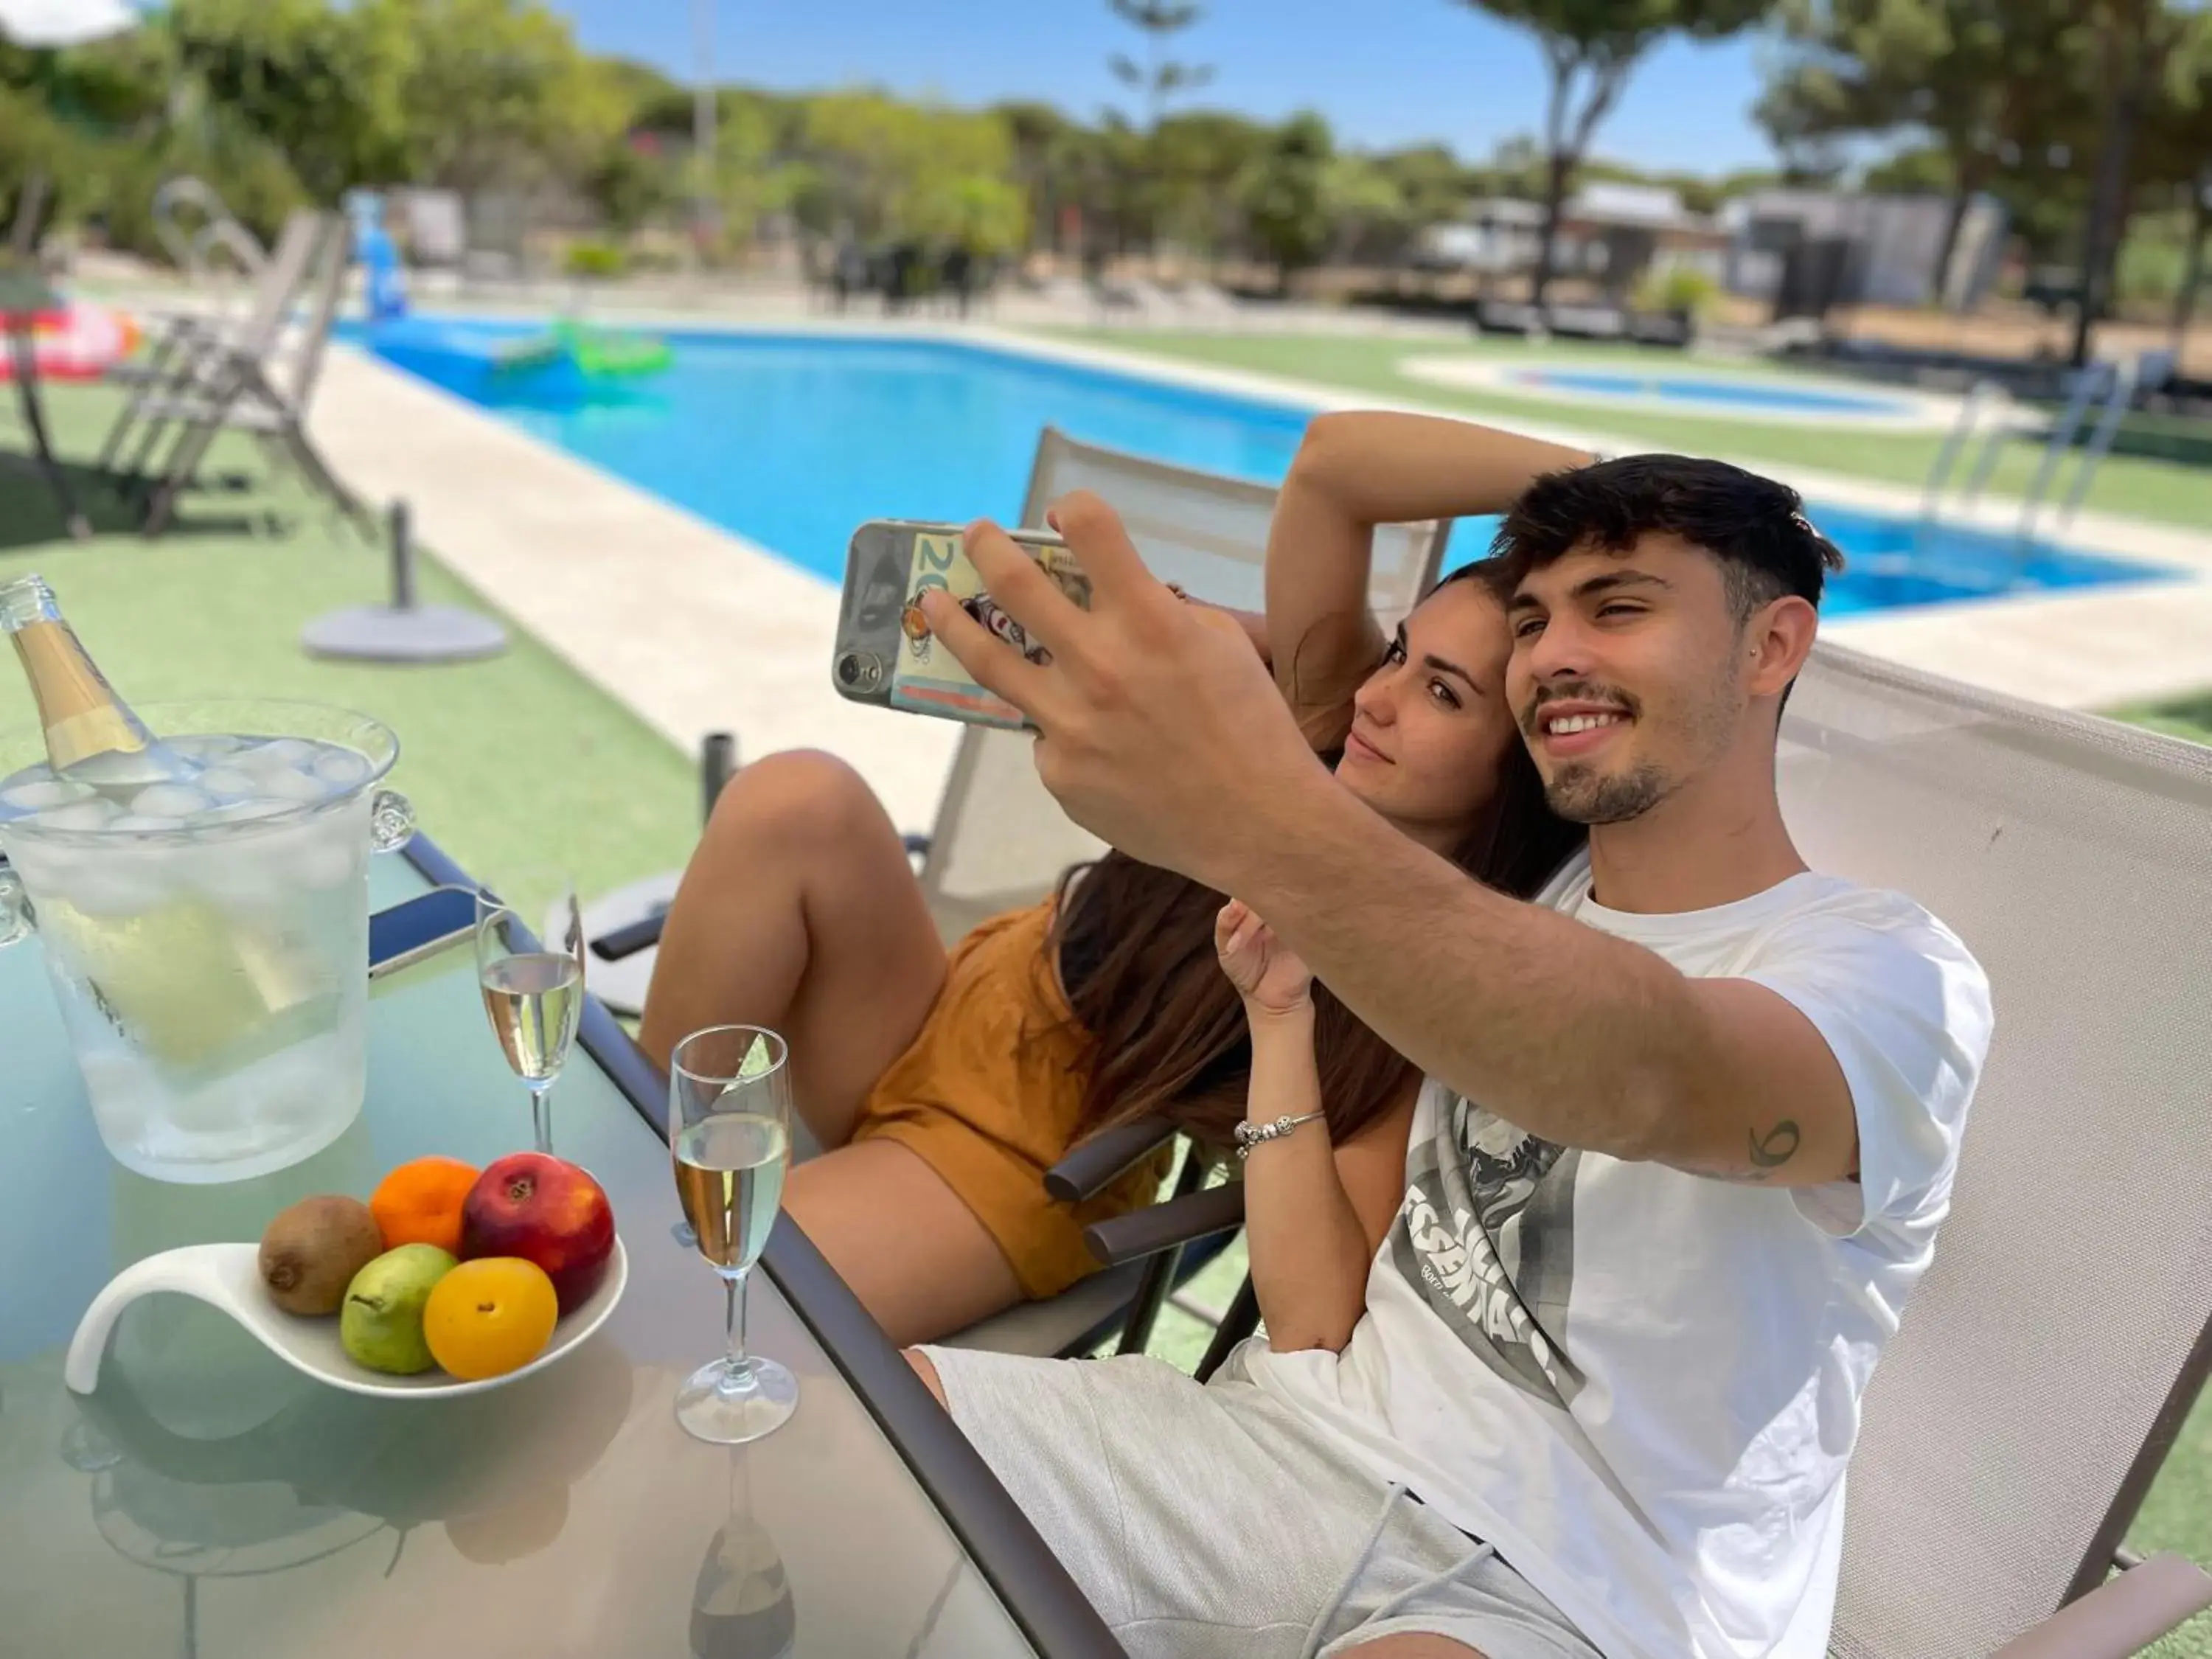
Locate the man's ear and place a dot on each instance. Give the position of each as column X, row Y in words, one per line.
column 1776, row 640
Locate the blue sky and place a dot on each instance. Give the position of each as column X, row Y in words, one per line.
column 1383, row 71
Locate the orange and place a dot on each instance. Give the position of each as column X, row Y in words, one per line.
column 490, row 1316
column 420, row 1203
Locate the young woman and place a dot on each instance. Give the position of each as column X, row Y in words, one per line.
column 944, row 1086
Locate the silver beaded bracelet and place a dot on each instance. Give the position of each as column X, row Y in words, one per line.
column 1248, row 1135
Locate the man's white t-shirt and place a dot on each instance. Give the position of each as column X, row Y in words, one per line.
column 1642, row 1385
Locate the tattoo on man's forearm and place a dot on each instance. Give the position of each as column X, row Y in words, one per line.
column 1776, row 1147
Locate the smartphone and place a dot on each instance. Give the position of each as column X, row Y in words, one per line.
column 885, row 654
column 418, row 927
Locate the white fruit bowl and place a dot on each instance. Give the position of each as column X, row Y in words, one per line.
column 229, row 1277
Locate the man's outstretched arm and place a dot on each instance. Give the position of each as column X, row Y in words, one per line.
column 1573, row 1035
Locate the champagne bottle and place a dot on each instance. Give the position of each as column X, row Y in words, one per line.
column 91, row 733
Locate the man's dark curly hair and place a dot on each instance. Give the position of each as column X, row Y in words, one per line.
column 1755, row 526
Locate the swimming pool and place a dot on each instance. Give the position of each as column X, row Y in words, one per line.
column 1736, row 397
column 792, row 440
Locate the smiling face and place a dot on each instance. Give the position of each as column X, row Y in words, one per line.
column 1632, row 673
column 1430, row 726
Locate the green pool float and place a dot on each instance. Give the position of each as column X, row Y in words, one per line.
column 604, row 353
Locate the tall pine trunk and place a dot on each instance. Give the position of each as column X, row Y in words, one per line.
column 2100, row 239
column 1961, row 200
column 1555, row 202
column 2192, row 275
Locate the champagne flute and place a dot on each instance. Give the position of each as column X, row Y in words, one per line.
column 530, row 966
column 729, row 1128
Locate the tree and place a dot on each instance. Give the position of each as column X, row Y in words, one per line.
column 2134, row 46
column 1284, row 193
column 1192, row 163
column 1980, row 77
column 2178, row 153
column 886, row 168
column 497, row 94
column 321, row 86
column 1160, row 77
column 1590, row 48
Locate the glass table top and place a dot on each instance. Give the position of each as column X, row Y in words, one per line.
column 207, row 1501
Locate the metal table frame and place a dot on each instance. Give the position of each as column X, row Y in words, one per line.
column 1014, row 1560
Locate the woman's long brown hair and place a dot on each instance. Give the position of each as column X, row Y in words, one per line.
column 1164, row 1029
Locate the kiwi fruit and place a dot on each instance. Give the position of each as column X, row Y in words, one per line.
column 311, row 1251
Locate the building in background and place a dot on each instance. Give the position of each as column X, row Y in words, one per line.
column 1807, row 250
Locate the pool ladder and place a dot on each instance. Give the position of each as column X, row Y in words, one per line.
column 2115, row 382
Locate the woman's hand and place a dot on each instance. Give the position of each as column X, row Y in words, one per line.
column 1272, row 980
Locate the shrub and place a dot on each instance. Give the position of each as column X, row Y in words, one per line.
column 596, row 259
column 1676, row 288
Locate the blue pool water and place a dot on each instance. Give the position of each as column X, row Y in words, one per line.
column 1734, row 395
column 792, row 440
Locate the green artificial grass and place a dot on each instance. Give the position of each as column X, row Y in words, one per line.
column 2141, row 488
column 514, row 761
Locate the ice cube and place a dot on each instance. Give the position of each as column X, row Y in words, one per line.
column 278, row 753
column 95, row 813
column 125, row 886
column 291, row 785
column 40, row 793
column 144, row 824
column 170, row 801
column 242, row 810
column 204, row 747
column 228, row 781
column 342, row 767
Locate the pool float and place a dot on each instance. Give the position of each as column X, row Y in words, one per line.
column 81, row 341
column 602, row 352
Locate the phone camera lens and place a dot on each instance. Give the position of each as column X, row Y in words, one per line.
column 858, row 670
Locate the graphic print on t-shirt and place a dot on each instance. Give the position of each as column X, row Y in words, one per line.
column 1486, row 1233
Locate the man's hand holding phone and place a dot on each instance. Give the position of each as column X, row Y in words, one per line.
column 1160, row 728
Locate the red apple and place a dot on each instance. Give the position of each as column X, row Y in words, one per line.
column 546, row 1210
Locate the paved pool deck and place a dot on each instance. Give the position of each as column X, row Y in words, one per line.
column 698, row 629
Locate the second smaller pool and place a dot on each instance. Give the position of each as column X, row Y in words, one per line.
column 1731, row 395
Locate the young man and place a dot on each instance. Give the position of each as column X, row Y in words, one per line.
column 1689, row 1129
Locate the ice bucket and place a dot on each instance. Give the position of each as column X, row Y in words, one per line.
column 212, row 971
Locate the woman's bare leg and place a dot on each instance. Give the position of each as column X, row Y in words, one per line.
column 800, row 912
column 914, row 1255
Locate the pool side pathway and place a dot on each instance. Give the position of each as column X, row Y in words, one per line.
column 696, row 628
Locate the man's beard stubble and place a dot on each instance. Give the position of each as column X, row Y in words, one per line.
column 1580, row 795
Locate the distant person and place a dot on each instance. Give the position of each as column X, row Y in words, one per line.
column 848, row 272
column 899, row 285
column 960, row 276
column 946, row 1086
column 1689, row 1131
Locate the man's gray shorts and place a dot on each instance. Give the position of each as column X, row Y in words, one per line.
column 1210, row 1522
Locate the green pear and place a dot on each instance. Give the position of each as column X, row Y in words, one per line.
column 381, row 1323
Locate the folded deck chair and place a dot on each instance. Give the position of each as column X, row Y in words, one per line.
column 267, row 395
column 185, row 347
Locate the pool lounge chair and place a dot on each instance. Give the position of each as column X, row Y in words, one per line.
column 186, row 346
column 2048, row 1360
column 267, row 394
